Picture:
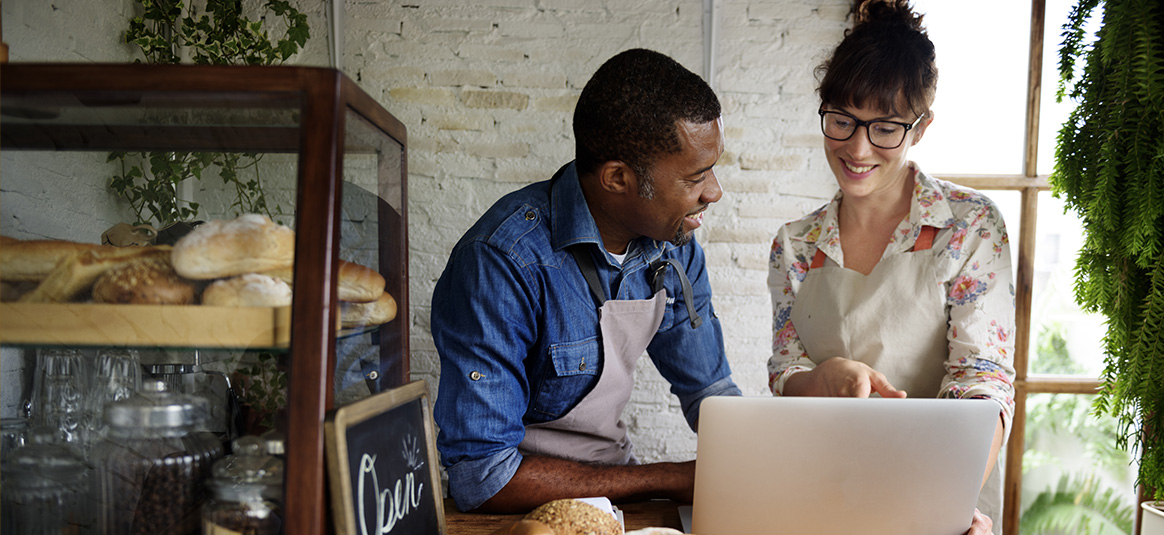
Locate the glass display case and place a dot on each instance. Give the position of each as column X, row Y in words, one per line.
column 103, row 166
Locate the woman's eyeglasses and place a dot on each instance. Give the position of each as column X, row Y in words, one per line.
column 840, row 126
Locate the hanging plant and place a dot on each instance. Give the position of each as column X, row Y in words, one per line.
column 1109, row 169
column 221, row 35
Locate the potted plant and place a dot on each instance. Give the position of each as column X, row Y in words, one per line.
column 167, row 31
column 1109, row 168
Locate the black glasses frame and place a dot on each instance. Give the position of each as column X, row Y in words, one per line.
column 860, row 123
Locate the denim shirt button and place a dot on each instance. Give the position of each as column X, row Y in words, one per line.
column 476, row 376
column 530, row 215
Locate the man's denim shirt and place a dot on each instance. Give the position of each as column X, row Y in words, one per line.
column 517, row 330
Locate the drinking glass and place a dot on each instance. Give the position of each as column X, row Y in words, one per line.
column 116, row 376
column 59, row 386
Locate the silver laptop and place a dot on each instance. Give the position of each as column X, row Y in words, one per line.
column 839, row 466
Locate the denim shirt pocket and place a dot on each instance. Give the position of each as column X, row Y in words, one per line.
column 574, row 374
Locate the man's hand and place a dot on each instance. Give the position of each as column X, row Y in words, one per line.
column 841, row 377
column 981, row 525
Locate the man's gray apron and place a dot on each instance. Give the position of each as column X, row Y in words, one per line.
column 593, row 431
column 894, row 320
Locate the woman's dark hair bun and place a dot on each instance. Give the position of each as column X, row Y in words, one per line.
column 887, row 11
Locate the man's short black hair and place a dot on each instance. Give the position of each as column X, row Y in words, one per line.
column 628, row 110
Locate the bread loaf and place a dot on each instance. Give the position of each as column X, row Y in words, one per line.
column 247, row 244
column 146, row 281
column 32, row 260
column 77, row 273
column 382, row 310
column 574, row 517
column 248, row 290
column 356, row 284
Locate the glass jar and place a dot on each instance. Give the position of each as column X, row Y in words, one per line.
column 45, row 486
column 244, row 492
column 151, row 466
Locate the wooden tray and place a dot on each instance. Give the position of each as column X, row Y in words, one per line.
column 145, row 325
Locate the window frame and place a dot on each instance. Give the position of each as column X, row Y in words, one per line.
column 1029, row 185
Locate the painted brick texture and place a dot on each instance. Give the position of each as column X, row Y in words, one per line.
column 487, row 88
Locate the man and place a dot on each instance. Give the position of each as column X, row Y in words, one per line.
column 534, row 376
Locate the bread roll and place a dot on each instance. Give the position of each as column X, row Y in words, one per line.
column 574, row 517
column 33, row 260
column 77, row 273
column 382, row 310
column 525, row 527
column 249, row 243
column 248, row 290
column 357, row 284
column 146, row 281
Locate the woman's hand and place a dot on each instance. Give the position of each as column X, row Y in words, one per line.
column 841, row 377
column 981, row 525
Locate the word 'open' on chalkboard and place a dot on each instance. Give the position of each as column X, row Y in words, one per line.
column 382, row 465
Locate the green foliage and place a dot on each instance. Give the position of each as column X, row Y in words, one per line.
column 263, row 388
column 1071, row 415
column 1077, row 507
column 221, row 35
column 1110, row 170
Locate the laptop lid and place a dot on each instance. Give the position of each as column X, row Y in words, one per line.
column 839, row 466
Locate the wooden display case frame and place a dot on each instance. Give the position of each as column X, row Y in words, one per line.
column 323, row 98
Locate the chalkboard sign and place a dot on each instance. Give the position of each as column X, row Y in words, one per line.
column 382, row 465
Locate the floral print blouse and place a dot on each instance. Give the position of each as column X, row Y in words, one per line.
column 972, row 258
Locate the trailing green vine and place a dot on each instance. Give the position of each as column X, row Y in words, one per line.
column 167, row 31
column 1110, row 170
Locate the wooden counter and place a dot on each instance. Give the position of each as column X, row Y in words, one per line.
column 637, row 515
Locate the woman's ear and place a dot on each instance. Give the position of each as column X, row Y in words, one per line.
column 922, row 126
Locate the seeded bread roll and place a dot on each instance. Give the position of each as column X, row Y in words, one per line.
column 33, row 260
column 357, row 284
column 525, row 527
column 574, row 517
column 76, row 274
column 217, row 249
column 147, row 281
column 248, row 290
column 382, row 310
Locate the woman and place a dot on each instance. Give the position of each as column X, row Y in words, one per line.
column 902, row 283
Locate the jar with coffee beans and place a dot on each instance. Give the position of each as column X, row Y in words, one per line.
column 152, row 465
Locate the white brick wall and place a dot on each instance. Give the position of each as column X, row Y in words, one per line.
column 486, row 89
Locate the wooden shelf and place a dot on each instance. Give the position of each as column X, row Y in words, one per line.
column 145, row 325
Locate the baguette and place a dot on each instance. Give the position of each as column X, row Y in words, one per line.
column 33, row 260
column 357, row 284
column 382, row 310
column 78, row 272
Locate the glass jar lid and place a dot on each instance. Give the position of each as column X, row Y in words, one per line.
column 247, row 473
column 155, row 407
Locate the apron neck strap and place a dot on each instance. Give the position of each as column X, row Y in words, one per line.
column 658, row 271
column 589, row 272
column 659, row 279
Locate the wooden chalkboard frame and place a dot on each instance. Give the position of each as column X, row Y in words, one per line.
column 336, row 433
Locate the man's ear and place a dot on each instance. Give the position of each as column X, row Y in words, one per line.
column 615, row 176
